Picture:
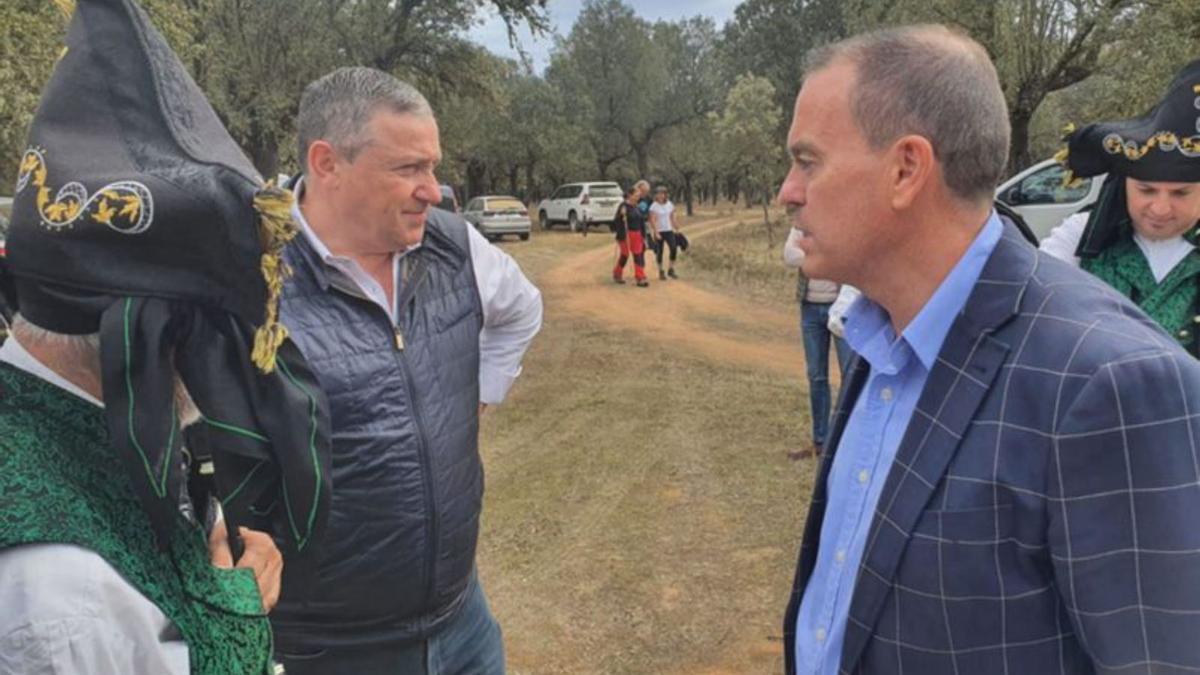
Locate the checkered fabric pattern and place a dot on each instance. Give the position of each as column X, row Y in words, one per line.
column 1043, row 512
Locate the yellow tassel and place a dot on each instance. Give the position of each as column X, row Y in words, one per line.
column 1069, row 180
column 66, row 7
column 275, row 230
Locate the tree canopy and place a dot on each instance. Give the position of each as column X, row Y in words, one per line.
column 623, row 97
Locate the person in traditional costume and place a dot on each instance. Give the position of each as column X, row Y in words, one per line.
column 1141, row 236
column 143, row 257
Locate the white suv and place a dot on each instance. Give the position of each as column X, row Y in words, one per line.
column 580, row 205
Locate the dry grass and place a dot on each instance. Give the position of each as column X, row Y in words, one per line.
column 740, row 260
column 641, row 515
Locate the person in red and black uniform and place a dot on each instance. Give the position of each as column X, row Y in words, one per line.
column 631, row 238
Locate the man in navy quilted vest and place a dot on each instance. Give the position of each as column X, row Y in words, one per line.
column 1013, row 474
column 413, row 323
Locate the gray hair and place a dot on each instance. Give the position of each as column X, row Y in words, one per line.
column 337, row 108
column 83, row 349
column 83, row 352
column 930, row 81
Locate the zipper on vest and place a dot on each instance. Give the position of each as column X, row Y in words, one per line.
column 431, row 521
column 407, row 297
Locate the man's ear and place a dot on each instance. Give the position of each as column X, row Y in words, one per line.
column 322, row 161
column 913, row 166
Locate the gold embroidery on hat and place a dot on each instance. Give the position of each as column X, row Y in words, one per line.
column 125, row 206
column 1167, row 141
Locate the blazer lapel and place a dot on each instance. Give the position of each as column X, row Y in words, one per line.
column 967, row 364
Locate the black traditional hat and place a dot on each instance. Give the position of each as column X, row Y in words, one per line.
column 1162, row 145
column 138, row 217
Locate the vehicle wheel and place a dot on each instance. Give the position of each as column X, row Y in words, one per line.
column 573, row 221
column 524, row 236
column 543, row 220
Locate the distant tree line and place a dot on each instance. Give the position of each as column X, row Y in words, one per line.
column 701, row 107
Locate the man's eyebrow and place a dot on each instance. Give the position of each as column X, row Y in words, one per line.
column 802, row 148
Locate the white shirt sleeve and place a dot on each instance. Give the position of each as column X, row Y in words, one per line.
column 793, row 255
column 1064, row 239
column 837, row 311
column 512, row 315
column 66, row 610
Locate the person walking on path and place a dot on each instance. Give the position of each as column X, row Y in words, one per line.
column 664, row 226
column 631, row 239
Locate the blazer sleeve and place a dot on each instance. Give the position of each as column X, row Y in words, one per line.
column 1123, row 489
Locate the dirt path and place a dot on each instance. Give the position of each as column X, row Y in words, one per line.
column 691, row 319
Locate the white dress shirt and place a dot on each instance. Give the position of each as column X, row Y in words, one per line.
column 512, row 306
column 64, row 609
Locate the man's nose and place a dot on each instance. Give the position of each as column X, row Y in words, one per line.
column 792, row 192
column 1160, row 208
column 429, row 190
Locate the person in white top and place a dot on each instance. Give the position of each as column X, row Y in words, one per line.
column 1140, row 238
column 664, row 226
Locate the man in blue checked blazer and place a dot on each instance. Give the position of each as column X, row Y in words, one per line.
column 1013, row 480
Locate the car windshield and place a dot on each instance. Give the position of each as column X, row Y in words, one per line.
column 605, row 191
column 504, row 204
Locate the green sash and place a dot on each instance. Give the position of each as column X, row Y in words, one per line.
column 60, row 482
column 1171, row 303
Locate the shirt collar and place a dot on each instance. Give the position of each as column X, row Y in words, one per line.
column 868, row 326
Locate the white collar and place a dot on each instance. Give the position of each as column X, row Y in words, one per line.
column 1163, row 255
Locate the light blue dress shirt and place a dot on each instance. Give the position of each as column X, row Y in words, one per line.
column 899, row 368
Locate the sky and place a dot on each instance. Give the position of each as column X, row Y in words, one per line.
column 492, row 34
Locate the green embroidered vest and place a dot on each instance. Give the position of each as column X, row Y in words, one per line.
column 1171, row 303
column 60, row 483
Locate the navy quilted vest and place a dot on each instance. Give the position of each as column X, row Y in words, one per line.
column 407, row 477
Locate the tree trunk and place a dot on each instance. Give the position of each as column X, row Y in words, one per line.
column 264, row 153
column 687, row 193
column 476, row 177
column 643, row 160
column 1019, row 157
column 513, row 171
column 770, row 227
column 531, row 192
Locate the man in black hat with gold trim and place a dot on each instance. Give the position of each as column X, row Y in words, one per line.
column 1141, row 236
column 143, row 260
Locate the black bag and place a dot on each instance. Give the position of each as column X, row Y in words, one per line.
column 681, row 241
column 620, row 225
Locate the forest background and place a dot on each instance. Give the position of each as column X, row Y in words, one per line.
column 699, row 106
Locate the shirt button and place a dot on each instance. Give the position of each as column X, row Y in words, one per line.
column 863, row 476
column 841, row 556
column 820, row 635
column 886, row 394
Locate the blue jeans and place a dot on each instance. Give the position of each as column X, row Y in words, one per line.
column 470, row 644
column 814, row 320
